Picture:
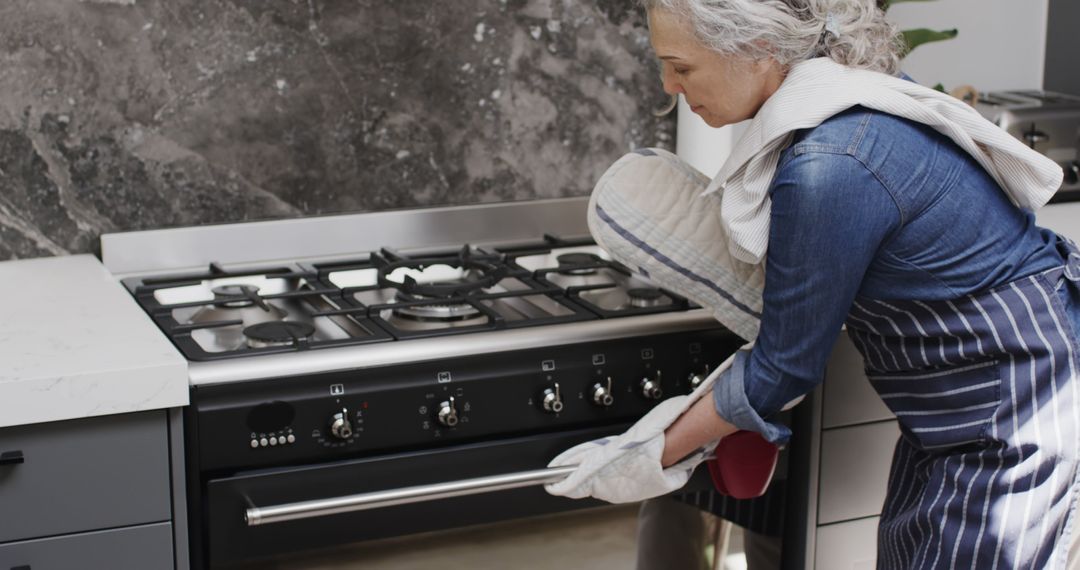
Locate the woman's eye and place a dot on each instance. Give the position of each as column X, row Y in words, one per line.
column 680, row 70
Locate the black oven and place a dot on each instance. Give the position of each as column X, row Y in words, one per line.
column 284, row 464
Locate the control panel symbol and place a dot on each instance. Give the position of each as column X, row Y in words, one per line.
column 695, row 348
column 598, row 359
column 337, row 389
column 547, row 365
column 443, row 377
column 646, row 354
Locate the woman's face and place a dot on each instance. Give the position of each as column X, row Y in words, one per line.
column 721, row 89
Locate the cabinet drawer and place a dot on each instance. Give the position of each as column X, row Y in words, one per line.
column 847, row 546
column 855, row 470
column 146, row 547
column 848, row 397
column 85, row 474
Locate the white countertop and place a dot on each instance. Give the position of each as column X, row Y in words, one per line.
column 74, row 344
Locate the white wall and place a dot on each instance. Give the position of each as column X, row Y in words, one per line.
column 1001, row 46
column 1002, row 43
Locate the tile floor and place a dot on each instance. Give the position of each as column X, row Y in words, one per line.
column 594, row 539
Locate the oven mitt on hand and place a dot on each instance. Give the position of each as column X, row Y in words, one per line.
column 649, row 213
column 626, row 468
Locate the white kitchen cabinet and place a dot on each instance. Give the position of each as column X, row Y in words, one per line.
column 847, row 458
column 855, row 470
column 848, row 398
column 850, row 545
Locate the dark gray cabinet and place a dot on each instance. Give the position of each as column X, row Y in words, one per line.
column 146, row 547
column 76, row 492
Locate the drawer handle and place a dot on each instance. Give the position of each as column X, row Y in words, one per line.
column 23, row 567
column 13, row 458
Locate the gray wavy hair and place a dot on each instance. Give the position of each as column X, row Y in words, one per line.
column 851, row 32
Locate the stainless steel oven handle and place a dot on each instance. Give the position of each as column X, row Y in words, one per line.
column 256, row 516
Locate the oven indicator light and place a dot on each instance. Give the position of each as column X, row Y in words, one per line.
column 646, row 354
column 337, row 389
column 443, row 377
column 547, row 365
column 598, row 359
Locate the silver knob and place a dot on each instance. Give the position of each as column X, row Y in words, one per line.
column 340, row 426
column 448, row 413
column 1034, row 137
column 651, row 388
column 553, row 400
column 602, row 394
column 696, row 378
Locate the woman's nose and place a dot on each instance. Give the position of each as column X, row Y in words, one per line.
column 671, row 86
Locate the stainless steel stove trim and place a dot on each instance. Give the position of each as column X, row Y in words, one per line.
column 156, row 251
column 256, row 516
column 442, row 347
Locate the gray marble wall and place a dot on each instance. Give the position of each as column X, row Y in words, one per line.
column 132, row 114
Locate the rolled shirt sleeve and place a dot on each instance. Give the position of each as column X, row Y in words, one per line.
column 830, row 214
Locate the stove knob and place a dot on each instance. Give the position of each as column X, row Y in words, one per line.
column 696, row 378
column 448, row 413
column 601, row 394
column 553, row 400
column 340, row 426
column 1072, row 172
column 651, row 388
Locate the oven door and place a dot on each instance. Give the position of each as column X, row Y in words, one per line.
column 275, row 511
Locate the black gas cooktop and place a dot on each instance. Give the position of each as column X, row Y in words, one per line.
column 387, row 295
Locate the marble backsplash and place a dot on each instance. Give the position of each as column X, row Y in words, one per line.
column 132, row 114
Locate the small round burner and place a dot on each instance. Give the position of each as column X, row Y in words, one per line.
column 226, row 291
column 437, row 312
column 570, row 260
column 277, row 333
column 642, row 297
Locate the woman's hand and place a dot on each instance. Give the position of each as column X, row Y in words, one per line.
column 699, row 425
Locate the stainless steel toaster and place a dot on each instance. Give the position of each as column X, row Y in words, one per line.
column 1047, row 122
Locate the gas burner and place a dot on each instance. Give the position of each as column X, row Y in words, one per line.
column 642, row 297
column 277, row 333
column 440, row 278
column 436, row 312
column 568, row 263
column 249, row 292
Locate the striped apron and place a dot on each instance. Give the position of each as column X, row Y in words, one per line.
column 985, row 390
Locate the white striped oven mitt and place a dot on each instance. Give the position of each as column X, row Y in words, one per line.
column 648, row 212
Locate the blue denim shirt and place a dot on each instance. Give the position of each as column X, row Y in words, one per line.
column 869, row 204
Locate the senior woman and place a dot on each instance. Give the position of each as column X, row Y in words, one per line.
column 887, row 207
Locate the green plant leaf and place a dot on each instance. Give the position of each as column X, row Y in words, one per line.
column 917, row 37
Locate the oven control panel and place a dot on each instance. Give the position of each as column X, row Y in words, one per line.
column 357, row 413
